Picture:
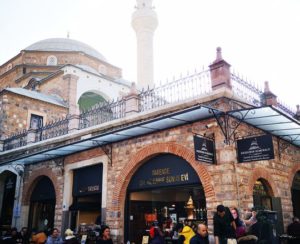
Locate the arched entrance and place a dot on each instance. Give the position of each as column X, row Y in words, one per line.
column 295, row 191
column 42, row 205
column 89, row 99
column 165, row 190
column 7, row 198
column 262, row 195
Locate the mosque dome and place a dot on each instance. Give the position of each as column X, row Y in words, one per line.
column 64, row 45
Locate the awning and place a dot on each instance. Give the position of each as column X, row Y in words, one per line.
column 170, row 120
column 272, row 121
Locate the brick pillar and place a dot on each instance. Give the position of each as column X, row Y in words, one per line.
column 220, row 72
column 268, row 98
column 132, row 101
column 297, row 116
column 72, row 93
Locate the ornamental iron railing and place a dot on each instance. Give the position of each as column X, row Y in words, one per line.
column 178, row 90
column 101, row 113
column 15, row 141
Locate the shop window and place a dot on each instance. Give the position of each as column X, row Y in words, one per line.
column 164, row 191
column 52, row 60
column 36, row 121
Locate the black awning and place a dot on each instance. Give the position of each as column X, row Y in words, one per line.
column 87, row 180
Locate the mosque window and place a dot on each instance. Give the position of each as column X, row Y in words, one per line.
column 52, row 60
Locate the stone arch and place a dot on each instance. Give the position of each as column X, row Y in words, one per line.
column 146, row 153
column 98, row 95
column 292, row 174
column 34, row 179
column 261, row 173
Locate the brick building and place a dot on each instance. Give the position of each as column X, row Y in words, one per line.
column 167, row 154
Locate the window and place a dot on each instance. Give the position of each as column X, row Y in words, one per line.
column 36, row 121
column 52, row 60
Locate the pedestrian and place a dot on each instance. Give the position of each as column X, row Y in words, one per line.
column 104, row 236
column 188, row 233
column 54, row 238
column 38, row 237
column 201, row 236
column 156, row 235
column 250, row 219
column 224, row 226
column 24, row 235
column 240, row 225
column 70, row 238
column 293, row 229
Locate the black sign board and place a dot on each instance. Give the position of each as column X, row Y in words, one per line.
column 255, row 149
column 162, row 171
column 87, row 180
column 204, row 149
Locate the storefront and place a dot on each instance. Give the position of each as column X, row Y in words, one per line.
column 8, row 187
column 164, row 191
column 296, row 194
column 42, row 205
column 87, row 195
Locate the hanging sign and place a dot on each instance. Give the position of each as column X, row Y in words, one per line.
column 204, row 149
column 255, row 149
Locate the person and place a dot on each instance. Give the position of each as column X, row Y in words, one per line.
column 54, row 238
column 156, row 235
column 224, row 226
column 177, row 230
column 104, row 236
column 250, row 219
column 293, row 229
column 187, row 232
column 70, row 238
column 38, row 237
column 201, row 236
column 24, row 235
column 240, row 225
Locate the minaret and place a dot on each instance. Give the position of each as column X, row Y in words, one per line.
column 144, row 22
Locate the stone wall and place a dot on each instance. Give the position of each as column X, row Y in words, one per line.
column 18, row 109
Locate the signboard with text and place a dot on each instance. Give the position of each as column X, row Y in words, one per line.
column 204, row 149
column 255, row 149
column 164, row 170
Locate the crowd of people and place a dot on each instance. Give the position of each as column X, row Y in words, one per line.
column 12, row 236
column 228, row 228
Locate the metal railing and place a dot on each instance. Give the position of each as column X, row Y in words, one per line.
column 52, row 129
column 101, row 113
column 15, row 141
column 178, row 90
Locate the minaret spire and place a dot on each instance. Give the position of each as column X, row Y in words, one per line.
column 144, row 22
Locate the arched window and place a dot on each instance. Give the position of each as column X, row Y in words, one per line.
column 262, row 195
column 88, row 100
column 52, row 60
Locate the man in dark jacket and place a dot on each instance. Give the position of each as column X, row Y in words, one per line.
column 201, row 236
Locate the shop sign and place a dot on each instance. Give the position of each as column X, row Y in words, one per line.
column 87, row 180
column 164, row 170
column 255, row 149
column 204, row 149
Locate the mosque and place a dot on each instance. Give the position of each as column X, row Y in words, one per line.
column 80, row 143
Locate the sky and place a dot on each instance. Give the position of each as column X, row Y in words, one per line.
column 259, row 38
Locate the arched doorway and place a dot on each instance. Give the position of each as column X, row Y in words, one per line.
column 7, row 198
column 295, row 191
column 165, row 190
column 269, row 205
column 42, row 205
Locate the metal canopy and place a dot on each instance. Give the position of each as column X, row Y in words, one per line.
column 271, row 121
column 170, row 120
